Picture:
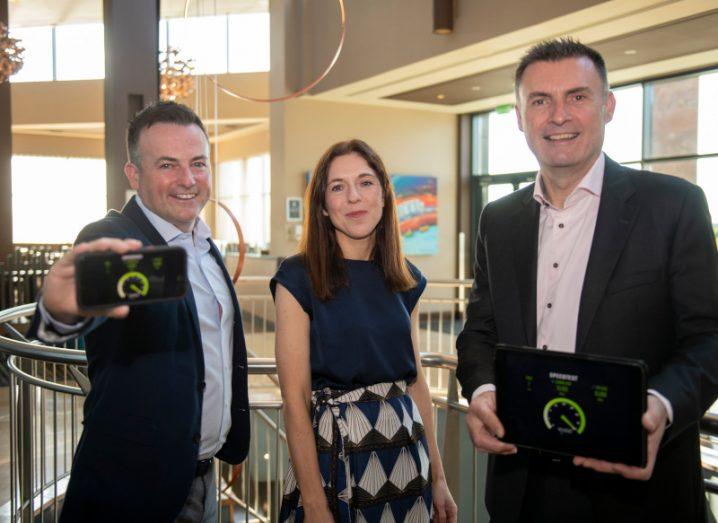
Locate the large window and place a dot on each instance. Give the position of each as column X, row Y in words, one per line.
column 63, row 52
column 38, row 65
column 248, row 43
column 80, row 51
column 244, row 186
column 236, row 43
column 53, row 198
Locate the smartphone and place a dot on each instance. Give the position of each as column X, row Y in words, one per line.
column 106, row 279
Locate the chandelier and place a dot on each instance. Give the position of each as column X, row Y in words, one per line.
column 175, row 75
column 11, row 58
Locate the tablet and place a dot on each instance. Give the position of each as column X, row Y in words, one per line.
column 572, row 404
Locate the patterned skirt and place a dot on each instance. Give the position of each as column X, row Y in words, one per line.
column 373, row 457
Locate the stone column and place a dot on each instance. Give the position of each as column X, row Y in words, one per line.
column 131, row 79
column 5, row 157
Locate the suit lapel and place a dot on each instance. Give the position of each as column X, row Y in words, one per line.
column 134, row 213
column 616, row 216
column 525, row 245
column 191, row 306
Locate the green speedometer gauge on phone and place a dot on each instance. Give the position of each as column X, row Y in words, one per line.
column 132, row 285
column 564, row 416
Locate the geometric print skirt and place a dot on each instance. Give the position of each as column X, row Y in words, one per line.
column 373, row 457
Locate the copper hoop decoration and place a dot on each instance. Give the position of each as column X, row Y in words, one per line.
column 240, row 239
column 299, row 92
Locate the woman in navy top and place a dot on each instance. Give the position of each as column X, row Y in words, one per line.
column 357, row 407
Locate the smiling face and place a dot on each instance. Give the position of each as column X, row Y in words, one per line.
column 563, row 110
column 353, row 201
column 174, row 178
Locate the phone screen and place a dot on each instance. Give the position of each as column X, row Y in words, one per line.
column 150, row 274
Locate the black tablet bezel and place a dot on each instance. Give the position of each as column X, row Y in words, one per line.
column 638, row 404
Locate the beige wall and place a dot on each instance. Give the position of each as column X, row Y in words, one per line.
column 81, row 101
column 34, row 145
column 57, row 102
column 50, row 118
column 409, row 142
column 251, row 143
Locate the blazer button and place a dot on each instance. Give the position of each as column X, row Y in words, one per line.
column 201, row 386
column 196, row 438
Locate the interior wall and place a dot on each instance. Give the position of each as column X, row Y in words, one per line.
column 255, row 85
column 34, row 145
column 73, row 102
column 81, row 101
column 243, row 146
column 409, row 142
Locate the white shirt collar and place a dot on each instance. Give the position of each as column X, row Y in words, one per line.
column 591, row 183
column 168, row 231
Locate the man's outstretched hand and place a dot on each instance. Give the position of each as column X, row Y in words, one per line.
column 58, row 293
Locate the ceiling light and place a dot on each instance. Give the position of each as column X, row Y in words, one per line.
column 440, row 96
column 476, row 88
column 11, row 54
column 630, row 51
column 443, row 17
column 176, row 79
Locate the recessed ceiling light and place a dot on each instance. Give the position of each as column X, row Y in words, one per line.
column 440, row 96
column 630, row 51
column 476, row 88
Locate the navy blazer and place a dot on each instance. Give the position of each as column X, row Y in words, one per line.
column 137, row 454
column 650, row 292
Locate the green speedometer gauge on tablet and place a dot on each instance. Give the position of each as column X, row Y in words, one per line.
column 565, row 416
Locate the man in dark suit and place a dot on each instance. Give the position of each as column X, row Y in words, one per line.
column 169, row 380
column 593, row 258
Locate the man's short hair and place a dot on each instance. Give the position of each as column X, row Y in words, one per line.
column 560, row 49
column 158, row 112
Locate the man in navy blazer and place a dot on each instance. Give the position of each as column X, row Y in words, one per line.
column 168, row 380
column 593, row 258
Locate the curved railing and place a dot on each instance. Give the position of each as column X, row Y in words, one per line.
column 38, row 480
column 47, row 387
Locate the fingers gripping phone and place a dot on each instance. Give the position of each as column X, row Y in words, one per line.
column 106, row 279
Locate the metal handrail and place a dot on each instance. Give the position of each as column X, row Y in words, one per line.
column 39, row 382
column 36, row 350
column 41, row 374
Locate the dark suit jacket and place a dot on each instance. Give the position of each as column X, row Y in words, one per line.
column 650, row 292
column 137, row 454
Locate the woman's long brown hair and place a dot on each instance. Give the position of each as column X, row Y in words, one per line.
column 323, row 257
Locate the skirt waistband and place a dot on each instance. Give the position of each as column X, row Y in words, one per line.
column 375, row 392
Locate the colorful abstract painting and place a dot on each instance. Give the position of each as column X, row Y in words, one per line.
column 417, row 204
